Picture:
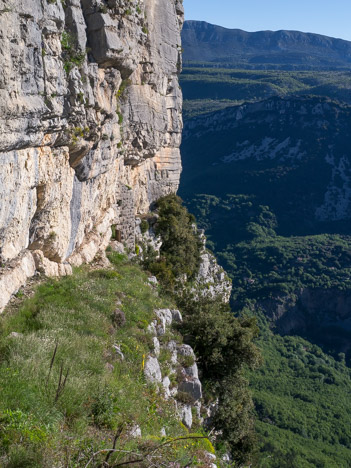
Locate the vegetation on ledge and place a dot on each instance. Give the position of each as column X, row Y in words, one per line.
column 224, row 344
column 67, row 399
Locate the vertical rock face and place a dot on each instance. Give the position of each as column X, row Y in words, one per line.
column 90, row 125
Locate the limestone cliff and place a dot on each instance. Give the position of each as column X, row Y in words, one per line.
column 90, row 127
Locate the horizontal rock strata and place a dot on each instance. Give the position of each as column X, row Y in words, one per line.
column 90, row 127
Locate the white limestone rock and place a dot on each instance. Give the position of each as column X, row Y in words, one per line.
column 14, row 276
column 186, row 415
column 176, row 316
column 135, row 431
column 192, row 371
column 66, row 176
column 153, row 280
column 166, row 384
column 156, row 345
column 118, row 351
column 151, row 328
column 152, row 370
column 172, row 346
column 164, row 317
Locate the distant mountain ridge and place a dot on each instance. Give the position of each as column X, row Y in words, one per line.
column 205, row 42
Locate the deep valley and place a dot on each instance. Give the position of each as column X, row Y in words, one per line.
column 267, row 172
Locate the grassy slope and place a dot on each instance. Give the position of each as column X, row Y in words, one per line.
column 98, row 400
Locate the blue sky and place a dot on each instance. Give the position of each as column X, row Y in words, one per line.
column 329, row 17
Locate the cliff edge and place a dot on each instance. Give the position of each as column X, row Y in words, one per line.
column 90, row 127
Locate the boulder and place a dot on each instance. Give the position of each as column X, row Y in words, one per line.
column 156, row 344
column 164, row 317
column 191, row 387
column 152, row 370
column 186, row 415
column 192, row 371
column 177, row 316
column 186, row 350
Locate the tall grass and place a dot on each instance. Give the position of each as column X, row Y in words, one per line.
column 65, row 393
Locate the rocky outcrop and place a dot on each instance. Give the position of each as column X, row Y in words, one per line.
column 212, row 281
column 90, row 127
column 178, row 377
column 302, row 308
column 321, row 315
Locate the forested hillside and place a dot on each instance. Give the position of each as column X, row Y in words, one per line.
column 267, row 50
column 267, row 159
column 207, row 88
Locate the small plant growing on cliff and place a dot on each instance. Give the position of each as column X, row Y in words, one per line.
column 187, row 361
column 81, row 98
column 52, row 235
column 122, row 88
column 79, row 132
column 144, row 226
column 71, row 55
column 103, row 9
column 120, row 117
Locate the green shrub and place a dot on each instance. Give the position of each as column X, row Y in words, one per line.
column 224, row 348
column 144, row 226
column 71, row 55
column 122, row 88
column 231, row 339
column 102, row 408
column 180, row 250
column 21, row 456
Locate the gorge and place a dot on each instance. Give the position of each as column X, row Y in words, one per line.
column 268, row 179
